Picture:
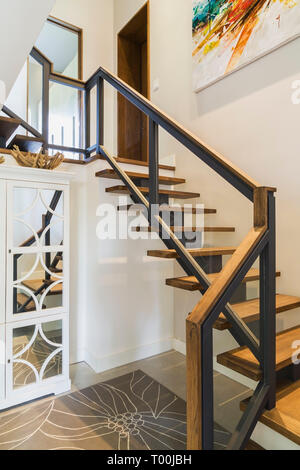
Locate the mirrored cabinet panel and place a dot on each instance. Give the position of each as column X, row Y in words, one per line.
column 36, row 352
column 38, row 280
column 37, row 216
column 34, row 287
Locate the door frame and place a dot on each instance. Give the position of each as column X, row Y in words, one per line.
column 148, row 93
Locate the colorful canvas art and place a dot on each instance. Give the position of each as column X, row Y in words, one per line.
column 229, row 34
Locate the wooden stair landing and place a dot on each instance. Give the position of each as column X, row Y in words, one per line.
column 241, row 360
column 167, row 192
column 191, row 283
column 195, row 252
column 26, row 144
column 285, row 418
column 167, row 180
column 249, row 311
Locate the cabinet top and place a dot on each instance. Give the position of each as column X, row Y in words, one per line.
column 20, row 173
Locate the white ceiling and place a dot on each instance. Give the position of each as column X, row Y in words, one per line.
column 59, row 45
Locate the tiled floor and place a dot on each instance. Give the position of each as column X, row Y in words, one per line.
column 169, row 370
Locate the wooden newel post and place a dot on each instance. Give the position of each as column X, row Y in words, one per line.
column 194, row 386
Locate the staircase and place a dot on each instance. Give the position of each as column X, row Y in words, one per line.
column 262, row 355
column 9, row 138
column 240, row 360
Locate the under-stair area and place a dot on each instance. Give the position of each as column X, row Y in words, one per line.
column 283, row 419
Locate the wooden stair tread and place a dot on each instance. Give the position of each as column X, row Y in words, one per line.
column 35, row 284
column 168, row 192
column 191, row 283
column 187, row 229
column 249, row 310
column 242, row 360
column 8, row 126
column 285, row 418
column 195, row 252
column 22, row 299
column 164, row 208
column 128, row 161
column 26, row 143
column 111, row 174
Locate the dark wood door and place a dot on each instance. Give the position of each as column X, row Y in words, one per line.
column 133, row 69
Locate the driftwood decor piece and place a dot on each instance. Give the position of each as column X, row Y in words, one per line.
column 37, row 160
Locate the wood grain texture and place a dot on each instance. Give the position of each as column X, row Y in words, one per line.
column 194, row 387
column 232, row 267
column 36, row 284
column 131, row 161
column 191, row 283
column 166, row 180
column 188, row 229
column 242, row 360
column 249, row 310
column 285, row 418
column 133, row 64
column 168, row 192
column 164, row 208
column 196, row 252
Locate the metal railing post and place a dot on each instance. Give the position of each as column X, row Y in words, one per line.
column 45, row 106
column 100, row 113
column 268, row 307
column 87, row 119
column 153, row 170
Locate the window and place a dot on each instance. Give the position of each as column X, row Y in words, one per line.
column 61, row 43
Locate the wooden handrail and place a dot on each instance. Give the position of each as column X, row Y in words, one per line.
column 195, row 334
column 214, row 159
column 202, row 310
column 260, row 241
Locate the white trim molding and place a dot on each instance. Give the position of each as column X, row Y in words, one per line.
column 101, row 364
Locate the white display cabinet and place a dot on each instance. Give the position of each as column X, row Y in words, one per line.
column 34, row 284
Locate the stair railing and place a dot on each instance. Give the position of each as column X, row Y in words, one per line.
column 260, row 242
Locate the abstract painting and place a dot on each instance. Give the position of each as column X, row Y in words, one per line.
column 229, row 34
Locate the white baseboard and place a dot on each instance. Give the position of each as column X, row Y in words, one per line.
column 272, row 440
column 180, row 346
column 101, row 364
column 77, row 356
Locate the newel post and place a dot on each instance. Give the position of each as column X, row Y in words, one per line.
column 264, row 215
column 194, row 386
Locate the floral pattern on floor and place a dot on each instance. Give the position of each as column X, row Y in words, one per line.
column 132, row 412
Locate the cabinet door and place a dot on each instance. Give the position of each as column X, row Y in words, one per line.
column 2, row 362
column 37, row 246
column 2, row 250
column 37, row 356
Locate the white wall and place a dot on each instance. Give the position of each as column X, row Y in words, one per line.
column 96, row 19
column 121, row 309
column 21, row 23
column 248, row 117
